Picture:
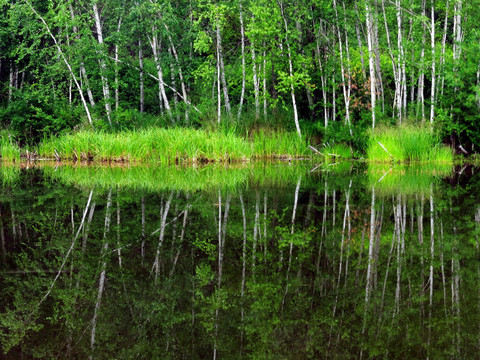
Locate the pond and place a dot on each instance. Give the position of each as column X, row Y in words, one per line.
column 270, row 261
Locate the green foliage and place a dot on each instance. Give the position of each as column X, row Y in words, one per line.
column 32, row 115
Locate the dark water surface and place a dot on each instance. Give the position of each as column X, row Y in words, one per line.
column 261, row 262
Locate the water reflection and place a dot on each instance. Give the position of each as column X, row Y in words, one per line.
column 258, row 262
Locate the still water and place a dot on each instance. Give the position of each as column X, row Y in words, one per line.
column 274, row 261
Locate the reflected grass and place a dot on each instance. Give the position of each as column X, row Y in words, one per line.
column 178, row 178
column 9, row 175
column 406, row 179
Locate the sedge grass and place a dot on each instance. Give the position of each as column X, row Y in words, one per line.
column 406, row 144
column 9, row 151
column 272, row 144
column 170, row 145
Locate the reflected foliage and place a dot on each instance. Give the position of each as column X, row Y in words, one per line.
column 315, row 266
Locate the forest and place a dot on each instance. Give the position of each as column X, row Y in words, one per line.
column 331, row 70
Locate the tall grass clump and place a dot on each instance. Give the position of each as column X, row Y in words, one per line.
column 277, row 143
column 406, row 144
column 171, row 145
column 156, row 144
column 9, row 151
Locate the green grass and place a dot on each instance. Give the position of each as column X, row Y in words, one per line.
column 168, row 146
column 336, row 153
column 271, row 144
column 406, row 144
column 9, row 151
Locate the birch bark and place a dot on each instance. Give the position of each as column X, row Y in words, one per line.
column 290, row 68
column 102, row 63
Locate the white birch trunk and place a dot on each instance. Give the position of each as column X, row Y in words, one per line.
column 290, row 68
column 432, row 44
column 142, row 86
column 370, row 249
column 154, row 44
column 163, row 222
column 117, row 85
column 103, row 65
column 180, row 72
column 242, row 33
column 256, row 87
column 221, row 66
column 101, row 282
column 371, row 64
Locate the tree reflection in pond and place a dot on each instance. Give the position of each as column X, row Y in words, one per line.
column 301, row 266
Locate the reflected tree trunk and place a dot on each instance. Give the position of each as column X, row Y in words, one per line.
column 163, row 222
column 101, row 282
column 244, row 267
column 2, row 238
column 295, row 203
column 182, row 235
column 142, row 247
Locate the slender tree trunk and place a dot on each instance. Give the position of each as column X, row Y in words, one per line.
column 103, row 65
column 154, row 43
column 345, row 73
column 117, row 84
column 432, row 44
column 370, row 249
column 378, row 67
column 400, row 64
column 322, row 75
column 242, row 33
column 221, row 65
column 371, row 63
column 101, row 282
column 295, row 203
column 174, row 84
column 290, row 68
column 256, row 85
column 163, row 216
column 432, row 256
column 265, row 80
column 219, row 94
column 244, row 267
column 421, row 78
column 444, row 42
column 180, row 72
column 142, row 86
